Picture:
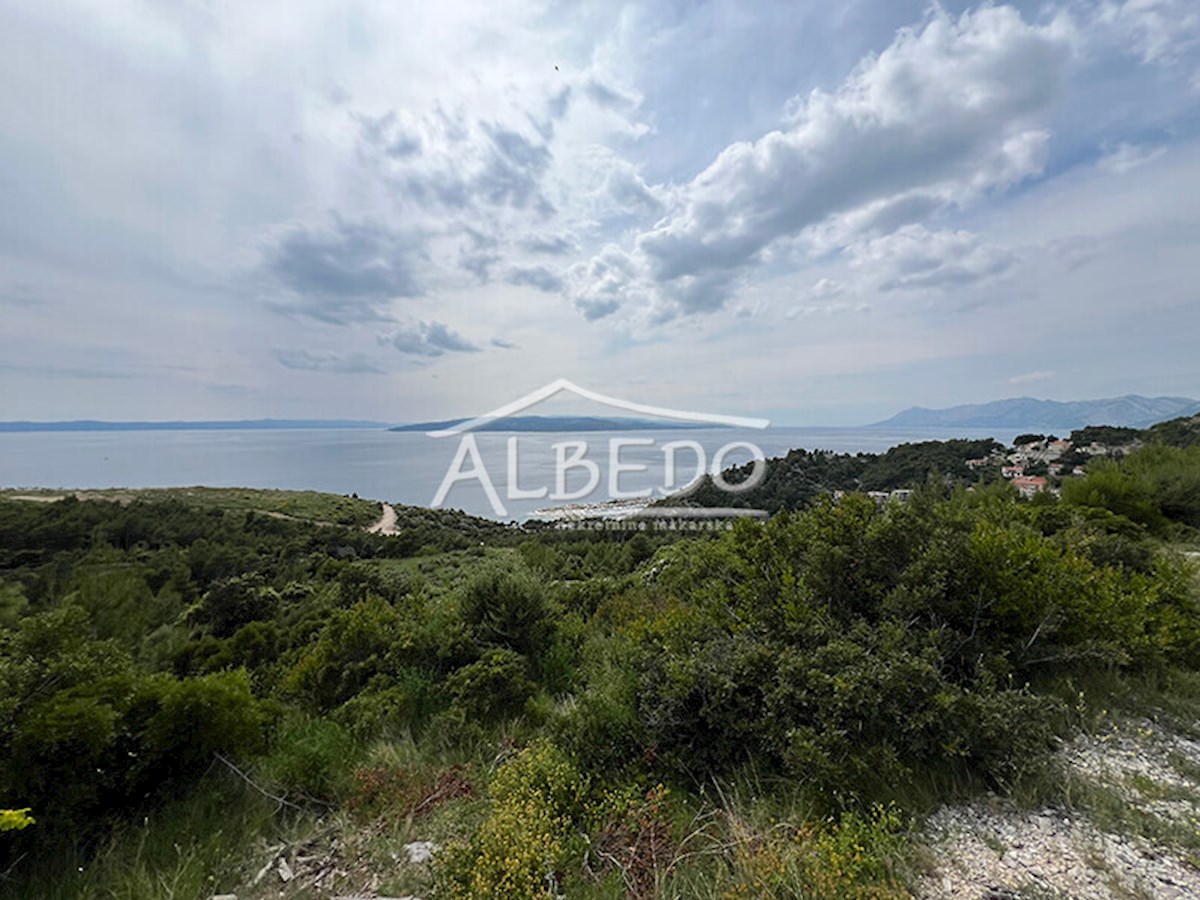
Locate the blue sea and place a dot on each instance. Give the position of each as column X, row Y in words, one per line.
column 402, row 467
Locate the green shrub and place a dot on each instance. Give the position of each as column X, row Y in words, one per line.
column 311, row 757
column 198, row 717
column 390, row 711
column 233, row 602
column 493, row 687
column 509, row 610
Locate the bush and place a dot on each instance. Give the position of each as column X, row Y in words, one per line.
column 311, row 757
column 390, row 711
column 521, row 848
column 15, row 819
column 493, row 687
column 233, row 602
column 197, row 718
column 509, row 610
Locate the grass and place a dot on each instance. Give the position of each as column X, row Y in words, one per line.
column 190, row 847
column 307, row 506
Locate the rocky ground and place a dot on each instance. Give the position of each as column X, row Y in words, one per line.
column 1130, row 830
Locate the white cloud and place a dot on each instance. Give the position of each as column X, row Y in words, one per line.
column 1031, row 377
column 1126, row 157
column 913, row 257
column 944, row 115
column 342, row 363
column 1158, row 30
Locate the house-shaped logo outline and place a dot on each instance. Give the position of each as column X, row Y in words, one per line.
column 562, row 384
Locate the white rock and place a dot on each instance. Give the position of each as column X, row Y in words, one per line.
column 420, row 852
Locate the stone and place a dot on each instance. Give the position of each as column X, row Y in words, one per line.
column 420, row 852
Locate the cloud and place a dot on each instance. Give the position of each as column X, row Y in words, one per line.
column 502, row 344
column 21, row 294
column 513, row 170
column 479, row 253
column 1126, row 157
column 551, row 245
column 80, row 372
column 1163, row 31
column 345, row 272
column 824, row 287
column 386, row 135
column 609, row 96
column 827, row 309
column 600, row 285
column 1031, row 377
column 429, row 339
column 1074, row 251
column 454, row 163
column 345, row 364
column 944, row 115
column 913, row 257
column 540, row 277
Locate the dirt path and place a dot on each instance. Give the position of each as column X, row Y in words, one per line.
column 387, row 521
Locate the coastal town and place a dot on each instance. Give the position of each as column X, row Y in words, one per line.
column 1037, row 463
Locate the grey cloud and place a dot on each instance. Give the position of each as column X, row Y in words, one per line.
column 479, row 264
column 559, row 103
column 513, row 172
column 594, row 308
column 449, row 161
column 630, row 193
column 346, row 364
column 479, row 253
column 429, row 339
column 608, row 96
column 1075, row 251
column 345, row 272
column 540, row 277
column 551, row 245
column 21, row 294
column 81, row 372
column 384, row 133
column 503, row 344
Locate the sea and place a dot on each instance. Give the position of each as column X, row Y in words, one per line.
column 410, row 467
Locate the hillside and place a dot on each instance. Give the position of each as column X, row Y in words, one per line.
column 203, row 691
column 1026, row 412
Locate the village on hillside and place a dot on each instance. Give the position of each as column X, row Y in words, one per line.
column 1040, row 462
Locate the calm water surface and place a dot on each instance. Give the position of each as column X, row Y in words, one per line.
column 401, row 467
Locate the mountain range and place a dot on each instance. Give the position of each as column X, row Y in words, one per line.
column 230, row 425
column 1131, row 410
column 557, row 423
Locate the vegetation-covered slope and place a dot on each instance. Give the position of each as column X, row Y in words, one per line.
column 767, row 711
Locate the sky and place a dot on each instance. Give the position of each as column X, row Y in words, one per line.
column 818, row 213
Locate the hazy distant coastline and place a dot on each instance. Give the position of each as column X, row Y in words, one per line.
column 231, row 425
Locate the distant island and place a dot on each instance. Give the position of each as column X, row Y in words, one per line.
column 233, row 425
column 558, row 424
column 1131, row 411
